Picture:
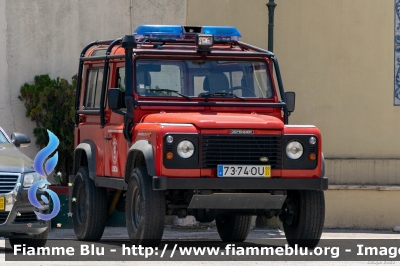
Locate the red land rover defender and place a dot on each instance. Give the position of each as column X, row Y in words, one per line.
column 188, row 120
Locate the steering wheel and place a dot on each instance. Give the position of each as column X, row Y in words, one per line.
column 241, row 88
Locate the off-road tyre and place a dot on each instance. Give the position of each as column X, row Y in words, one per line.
column 305, row 223
column 145, row 210
column 89, row 207
column 33, row 241
column 233, row 228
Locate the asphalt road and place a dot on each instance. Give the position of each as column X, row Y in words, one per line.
column 197, row 235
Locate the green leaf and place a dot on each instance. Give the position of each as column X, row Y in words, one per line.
column 50, row 104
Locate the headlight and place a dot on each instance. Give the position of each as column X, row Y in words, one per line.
column 294, row 150
column 185, row 149
column 31, row 178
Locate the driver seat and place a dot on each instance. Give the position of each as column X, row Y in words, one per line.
column 216, row 81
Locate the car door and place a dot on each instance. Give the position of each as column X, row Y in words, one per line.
column 89, row 128
column 115, row 145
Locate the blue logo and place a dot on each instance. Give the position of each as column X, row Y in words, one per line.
column 51, row 163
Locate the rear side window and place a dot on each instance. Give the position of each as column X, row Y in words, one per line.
column 93, row 88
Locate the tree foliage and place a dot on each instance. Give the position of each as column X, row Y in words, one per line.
column 50, row 103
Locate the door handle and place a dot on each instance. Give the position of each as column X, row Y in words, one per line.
column 107, row 138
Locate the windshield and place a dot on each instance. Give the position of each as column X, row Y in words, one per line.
column 203, row 78
column 3, row 138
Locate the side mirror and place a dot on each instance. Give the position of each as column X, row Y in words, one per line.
column 114, row 99
column 20, row 140
column 290, row 100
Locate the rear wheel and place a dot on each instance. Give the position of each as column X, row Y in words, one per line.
column 145, row 210
column 89, row 207
column 33, row 241
column 303, row 217
column 233, row 228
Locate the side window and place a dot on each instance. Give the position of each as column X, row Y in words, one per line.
column 120, row 81
column 90, row 87
column 98, row 88
column 93, row 88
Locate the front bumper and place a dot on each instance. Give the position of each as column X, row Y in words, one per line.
column 17, row 202
column 163, row 183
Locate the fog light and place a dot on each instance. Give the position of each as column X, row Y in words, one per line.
column 312, row 156
column 169, row 155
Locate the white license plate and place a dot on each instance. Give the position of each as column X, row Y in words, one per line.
column 244, row 170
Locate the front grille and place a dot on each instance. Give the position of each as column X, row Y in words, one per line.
column 7, row 182
column 3, row 217
column 168, row 147
column 26, row 217
column 246, row 150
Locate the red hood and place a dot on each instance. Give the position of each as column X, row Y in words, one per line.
column 217, row 120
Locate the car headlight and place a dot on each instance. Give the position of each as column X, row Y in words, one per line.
column 185, row 149
column 294, row 150
column 31, row 178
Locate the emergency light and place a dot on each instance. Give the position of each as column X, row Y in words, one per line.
column 179, row 33
column 158, row 32
column 223, row 33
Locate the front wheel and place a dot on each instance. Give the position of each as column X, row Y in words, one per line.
column 89, row 207
column 145, row 210
column 303, row 217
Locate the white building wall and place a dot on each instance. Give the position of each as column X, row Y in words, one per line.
column 5, row 95
column 46, row 37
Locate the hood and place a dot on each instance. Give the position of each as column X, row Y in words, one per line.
column 14, row 161
column 218, row 120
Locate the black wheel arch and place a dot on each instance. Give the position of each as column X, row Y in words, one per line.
column 85, row 155
column 140, row 154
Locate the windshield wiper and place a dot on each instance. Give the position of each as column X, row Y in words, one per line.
column 221, row 94
column 168, row 90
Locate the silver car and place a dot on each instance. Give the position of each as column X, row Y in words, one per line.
column 18, row 222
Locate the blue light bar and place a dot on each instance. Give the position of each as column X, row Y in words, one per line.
column 161, row 29
column 158, row 32
column 223, row 33
column 176, row 32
